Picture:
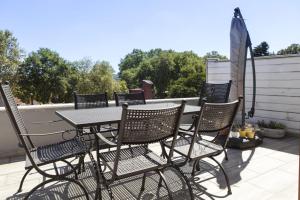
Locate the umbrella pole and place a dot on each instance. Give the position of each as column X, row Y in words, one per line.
column 237, row 13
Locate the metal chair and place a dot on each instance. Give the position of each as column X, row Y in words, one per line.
column 85, row 101
column 140, row 128
column 215, row 92
column 214, row 117
column 89, row 101
column 129, row 98
column 210, row 93
column 37, row 156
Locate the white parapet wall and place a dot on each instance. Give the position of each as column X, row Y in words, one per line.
column 44, row 113
column 277, row 87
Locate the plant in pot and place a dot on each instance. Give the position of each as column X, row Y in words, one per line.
column 271, row 129
column 243, row 137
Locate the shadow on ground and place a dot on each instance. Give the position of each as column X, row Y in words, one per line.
column 127, row 188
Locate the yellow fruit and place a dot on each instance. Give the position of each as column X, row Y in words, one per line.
column 250, row 134
column 243, row 133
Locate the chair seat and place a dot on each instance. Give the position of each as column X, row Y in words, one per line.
column 55, row 152
column 186, row 127
column 201, row 148
column 134, row 160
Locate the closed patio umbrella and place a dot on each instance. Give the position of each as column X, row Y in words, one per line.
column 239, row 44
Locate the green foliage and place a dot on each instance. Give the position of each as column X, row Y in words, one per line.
column 132, row 60
column 292, row 49
column 261, row 50
column 83, row 66
column 179, row 73
column 100, row 79
column 214, row 54
column 46, row 77
column 130, row 77
column 10, row 56
column 271, row 125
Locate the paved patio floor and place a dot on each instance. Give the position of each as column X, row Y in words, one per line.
column 269, row 171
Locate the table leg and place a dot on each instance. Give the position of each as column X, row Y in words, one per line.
column 98, row 190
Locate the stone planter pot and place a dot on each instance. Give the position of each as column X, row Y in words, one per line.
column 272, row 133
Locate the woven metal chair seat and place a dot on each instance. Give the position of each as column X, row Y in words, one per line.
column 201, row 148
column 133, row 160
column 55, row 152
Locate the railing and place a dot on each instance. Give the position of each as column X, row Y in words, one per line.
column 43, row 113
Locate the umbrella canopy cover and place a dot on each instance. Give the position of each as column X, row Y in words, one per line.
column 238, row 56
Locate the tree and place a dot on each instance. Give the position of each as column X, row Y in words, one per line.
column 100, row 79
column 214, row 54
column 292, row 49
column 46, row 77
column 190, row 73
column 10, row 56
column 84, row 65
column 171, row 72
column 261, row 50
column 132, row 60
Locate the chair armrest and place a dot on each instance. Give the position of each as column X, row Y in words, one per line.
column 52, row 133
column 103, row 139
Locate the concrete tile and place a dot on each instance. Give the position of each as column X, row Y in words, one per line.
column 4, row 160
column 3, row 179
column 269, row 171
column 283, row 156
column 291, row 167
column 12, row 168
column 247, row 191
column 274, row 181
column 289, row 193
column 264, row 164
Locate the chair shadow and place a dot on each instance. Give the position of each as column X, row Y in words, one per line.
column 128, row 188
column 235, row 168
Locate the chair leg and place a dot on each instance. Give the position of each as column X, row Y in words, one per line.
column 195, row 167
column 23, row 179
column 225, row 152
column 162, row 178
column 163, row 151
column 143, row 182
column 186, row 180
column 55, row 168
column 72, row 167
column 226, row 177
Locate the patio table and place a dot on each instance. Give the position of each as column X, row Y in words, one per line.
column 82, row 118
column 108, row 115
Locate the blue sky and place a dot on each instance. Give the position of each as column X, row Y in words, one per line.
column 108, row 30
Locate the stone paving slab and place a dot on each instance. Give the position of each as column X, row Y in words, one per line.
column 268, row 172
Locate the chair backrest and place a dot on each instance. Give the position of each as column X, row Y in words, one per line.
column 215, row 92
column 139, row 126
column 130, row 98
column 84, row 101
column 217, row 118
column 15, row 117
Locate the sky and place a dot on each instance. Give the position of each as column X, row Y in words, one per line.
column 108, row 30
